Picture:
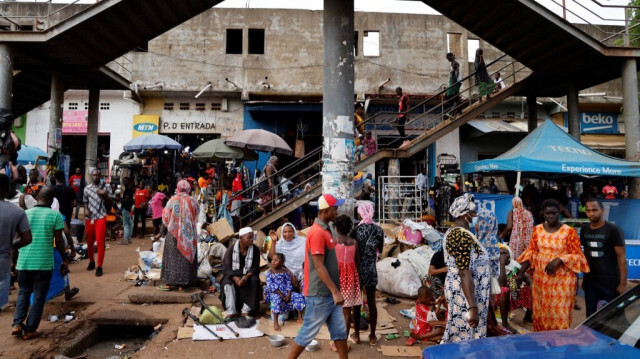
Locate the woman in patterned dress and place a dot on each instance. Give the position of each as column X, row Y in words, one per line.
column 370, row 240
column 556, row 257
column 520, row 225
column 467, row 283
column 348, row 260
column 488, row 236
column 279, row 290
column 179, row 267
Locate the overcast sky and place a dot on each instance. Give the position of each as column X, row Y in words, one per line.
column 417, row 7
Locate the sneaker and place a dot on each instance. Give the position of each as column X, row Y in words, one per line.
column 70, row 293
column 16, row 330
column 27, row 336
column 99, row 272
column 91, row 266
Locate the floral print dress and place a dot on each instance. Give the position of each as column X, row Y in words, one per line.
column 282, row 281
column 463, row 252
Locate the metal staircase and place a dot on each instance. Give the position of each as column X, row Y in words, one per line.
column 422, row 131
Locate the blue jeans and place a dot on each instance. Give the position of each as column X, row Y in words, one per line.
column 36, row 282
column 320, row 310
column 593, row 293
column 5, row 283
column 127, row 224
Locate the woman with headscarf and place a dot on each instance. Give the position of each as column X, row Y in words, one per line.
column 267, row 184
column 556, row 257
column 292, row 246
column 180, row 215
column 520, row 225
column 467, row 283
column 483, row 80
column 370, row 239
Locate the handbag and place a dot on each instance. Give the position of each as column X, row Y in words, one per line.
column 495, row 286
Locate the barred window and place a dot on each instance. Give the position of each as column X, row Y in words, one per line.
column 185, row 106
column 168, row 106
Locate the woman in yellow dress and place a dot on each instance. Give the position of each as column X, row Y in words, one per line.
column 555, row 255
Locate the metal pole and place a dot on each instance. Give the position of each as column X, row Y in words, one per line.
column 532, row 113
column 91, row 159
column 631, row 119
column 337, row 101
column 573, row 110
column 55, row 111
column 518, row 183
column 393, row 171
column 6, row 75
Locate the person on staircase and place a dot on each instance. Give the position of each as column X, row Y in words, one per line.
column 403, row 114
column 452, row 95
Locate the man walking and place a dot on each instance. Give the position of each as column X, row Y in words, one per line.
column 322, row 282
column 35, row 265
column 403, row 108
column 75, row 182
column 126, row 202
column 65, row 195
column 96, row 198
column 13, row 220
column 603, row 244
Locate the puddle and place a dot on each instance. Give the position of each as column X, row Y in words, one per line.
column 133, row 337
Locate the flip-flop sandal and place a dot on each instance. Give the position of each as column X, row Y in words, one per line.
column 355, row 339
column 332, row 346
column 392, row 336
column 373, row 341
column 391, row 300
column 164, row 288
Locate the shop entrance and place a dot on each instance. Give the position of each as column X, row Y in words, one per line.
column 76, row 147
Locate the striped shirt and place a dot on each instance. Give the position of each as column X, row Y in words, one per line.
column 39, row 254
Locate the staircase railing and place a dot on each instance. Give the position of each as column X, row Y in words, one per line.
column 44, row 21
column 384, row 130
column 591, row 13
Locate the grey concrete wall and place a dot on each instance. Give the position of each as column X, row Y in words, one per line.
column 412, row 49
column 31, row 10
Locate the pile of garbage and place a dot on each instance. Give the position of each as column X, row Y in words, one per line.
column 405, row 258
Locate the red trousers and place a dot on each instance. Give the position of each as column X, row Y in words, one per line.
column 95, row 233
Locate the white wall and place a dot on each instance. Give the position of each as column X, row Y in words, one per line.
column 117, row 121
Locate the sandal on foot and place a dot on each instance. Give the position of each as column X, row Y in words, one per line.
column 28, row 336
column 354, row 338
column 16, row 330
column 332, row 346
column 164, row 288
column 373, row 341
column 391, row 300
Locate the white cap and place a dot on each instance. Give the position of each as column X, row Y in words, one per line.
column 245, row 230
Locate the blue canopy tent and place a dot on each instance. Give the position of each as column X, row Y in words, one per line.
column 549, row 149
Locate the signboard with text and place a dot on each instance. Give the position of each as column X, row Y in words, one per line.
column 196, row 123
column 145, row 125
column 597, row 122
column 74, row 122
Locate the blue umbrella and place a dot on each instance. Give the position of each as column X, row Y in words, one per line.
column 151, row 142
column 29, row 154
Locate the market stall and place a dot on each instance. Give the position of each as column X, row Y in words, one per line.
column 149, row 149
column 549, row 149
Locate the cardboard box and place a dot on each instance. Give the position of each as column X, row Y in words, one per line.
column 222, row 230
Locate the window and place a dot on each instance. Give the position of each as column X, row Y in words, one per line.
column 256, row 41
column 200, row 107
column 472, row 46
column 73, row 105
column 495, row 114
column 216, row 106
column 511, row 115
column 86, row 106
column 185, row 106
column 168, row 106
column 104, row 106
column 355, row 43
column 371, row 43
column 234, row 41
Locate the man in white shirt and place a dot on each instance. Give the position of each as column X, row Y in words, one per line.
column 498, row 81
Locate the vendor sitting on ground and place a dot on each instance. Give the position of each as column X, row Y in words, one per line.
column 240, row 283
column 426, row 326
column 512, row 296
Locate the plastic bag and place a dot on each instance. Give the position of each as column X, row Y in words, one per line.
column 207, row 318
column 402, row 281
column 420, row 259
column 150, row 259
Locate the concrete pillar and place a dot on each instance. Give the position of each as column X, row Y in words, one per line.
column 532, row 113
column 631, row 119
column 393, row 170
column 91, row 158
column 573, row 110
column 6, row 75
column 338, row 101
column 55, row 110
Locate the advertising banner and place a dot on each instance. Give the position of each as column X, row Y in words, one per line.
column 74, row 122
column 622, row 213
column 145, row 125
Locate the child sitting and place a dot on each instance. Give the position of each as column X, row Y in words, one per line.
column 279, row 290
column 426, row 324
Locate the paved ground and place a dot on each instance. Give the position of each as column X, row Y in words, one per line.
column 106, row 299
